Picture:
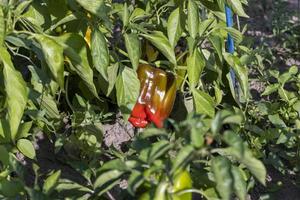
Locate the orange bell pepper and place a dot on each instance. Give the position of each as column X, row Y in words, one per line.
column 157, row 96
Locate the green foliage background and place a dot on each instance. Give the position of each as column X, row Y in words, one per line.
column 53, row 81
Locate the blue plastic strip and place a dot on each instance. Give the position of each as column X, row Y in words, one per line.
column 230, row 44
column 229, row 23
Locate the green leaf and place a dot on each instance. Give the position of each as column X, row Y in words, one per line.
column 235, row 142
column 197, row 137
column 276, row 120
column 97, row 8
column 283, row 78
column 174, row 27
column 69, row 18
column 53, row 54
column 76, row 51
column 271, row 89
column 255, row 166
column 4, row 156
column 160, row 41
column 116, row 164
column 125, row 15
column 160, row 192
column 38, row 16
column 221, row 4
column 22, row 7
column 11, row 188
column 235, row 34
column 193, row 19
column 296, row 107
column 293, row 70
column 128, row 87
column 211, row 5
column 195, row 66
column 135, row 180
column 51, row 182
column 217, row 43
column 221, row 168
column 243, row 154
column 112, row 77
column 16, row 92
column 211, row 194
column 218, row 94
column 4, row 131
column 100, row 53
column 133, row 46
column 106, row 181
column 52, row 7
column 24, row 130
column 26, row 148
column 65, row 185
column 182, row 158
column 204, row 103
column 138, row 13
column 237, row 7
column 158, row 149
column 218, row 121
column 240, row 71
column 47, row 102
column 239, row 184
column 285, row 95
column 2, row 27
column 205, row 25
column 151, row 132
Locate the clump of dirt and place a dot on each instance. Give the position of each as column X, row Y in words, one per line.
column 117, row 133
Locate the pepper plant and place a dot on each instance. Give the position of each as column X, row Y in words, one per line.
column 68, row 68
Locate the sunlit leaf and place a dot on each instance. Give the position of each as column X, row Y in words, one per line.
column 2, row 27
column 240, row 71
column 26, row 148
column 193, row 19
column 125, row 16
column 133, row 46
column 217, row 43
column 100, row 53
column 134, row 181
column 160, row 41
column 235, row 34
column 16, row 92
column 183, row 157
column 23, row 130
column 158, row 149
column 128, row 87
column 22, row 7
column 205, row 25
column 221, row 168
column 174, row 27
column 106, row 181
column 51, row 182
column 53, row 54
column 161, row 190
column 204, row 103
column 97, row 8
column 271, row 89
column 237, row 7
column 75, row 49
column 195, row 66
column 65, row 185
column 239, row 184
